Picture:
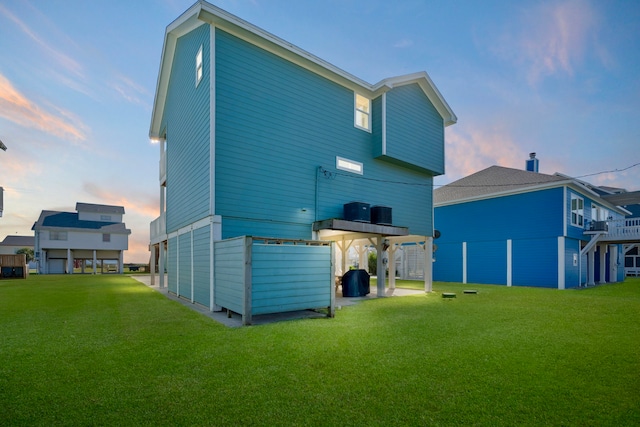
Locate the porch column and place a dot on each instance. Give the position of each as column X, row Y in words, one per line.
column 428, row 264
column 94, row 262
column 613, row 263
column 603, row 264
column 591, row 259
column 69, row 262
column 121, row 262
column 392, row 266
column 380, row 267
column 161, row 264
column 152, row 265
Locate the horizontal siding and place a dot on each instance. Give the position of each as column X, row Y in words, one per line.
column 265, row 104
column 487, row 262
column 535, row 262
column 172, row 265
column 448, row 264
column 186, row 120
column 229, row 273
column 414, row 129
column 201, row 265
column 572, row 273
column 290, row 277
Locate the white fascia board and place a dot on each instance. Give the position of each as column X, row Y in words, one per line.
column 531, row 189
column 428, row 87
column 181, row 26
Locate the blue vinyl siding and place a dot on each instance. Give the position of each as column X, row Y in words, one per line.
column 415, row 130
column 186, row 120
column 276, row 123
column 290, row 277
column 535, row 262
column 201, row 263
column 572, row 272
column 172, row 263
column 448, row 265
column 184, row 265
column 229, row 274
column 487, row 262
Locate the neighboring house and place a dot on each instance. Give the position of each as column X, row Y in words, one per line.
column 523, row 228
column 68, row 240
column 11, row 244
column 261, row 138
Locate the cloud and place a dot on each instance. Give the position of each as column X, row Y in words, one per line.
column 468, row 152
column 16, row 107
column 130, row 91
column 553, row 39
column 60, row 58
column 148, row 208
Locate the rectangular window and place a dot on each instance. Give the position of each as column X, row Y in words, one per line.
column 57, row 235
column 349, row 165
column 577, row 211
column 199, row 66
column 106, row 237
column 362, row 112
column 105, row 217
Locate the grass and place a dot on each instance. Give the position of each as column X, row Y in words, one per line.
column 106, row 350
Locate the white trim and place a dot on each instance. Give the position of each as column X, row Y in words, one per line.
column 564, row 211
column 357, row 168
column 212, row 121
column 561, row 263
column 509, row 262
column 384, row 123
column 199, row 66
column 464, row 262
column 356, row 110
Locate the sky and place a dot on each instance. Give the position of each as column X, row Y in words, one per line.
column 77, row 83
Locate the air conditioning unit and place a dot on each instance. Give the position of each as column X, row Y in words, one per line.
column 357, row 211
column 381, row 215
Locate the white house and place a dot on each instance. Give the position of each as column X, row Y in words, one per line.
column 94, row 232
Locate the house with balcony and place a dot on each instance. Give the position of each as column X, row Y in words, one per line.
column 262, row 145
column 523, row 228
column 68, row 241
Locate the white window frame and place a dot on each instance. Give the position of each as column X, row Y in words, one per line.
column 349, row 165
column 106, row 237
column 105, row 217
column 359, row 112
column 57, row 235
column 577, row 212
column 199, row 66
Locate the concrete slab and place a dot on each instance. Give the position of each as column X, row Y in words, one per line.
column 236, row 320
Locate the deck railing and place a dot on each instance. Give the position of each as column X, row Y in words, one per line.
column 158, row 228
column 624, row 229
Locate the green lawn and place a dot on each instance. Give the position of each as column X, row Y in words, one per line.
column 106, row 350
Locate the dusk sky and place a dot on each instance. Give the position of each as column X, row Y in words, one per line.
column 77, row 80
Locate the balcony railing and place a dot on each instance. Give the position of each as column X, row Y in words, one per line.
column 158, row 229
column 618, row 230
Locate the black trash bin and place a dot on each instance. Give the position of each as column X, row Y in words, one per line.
column 355, row 283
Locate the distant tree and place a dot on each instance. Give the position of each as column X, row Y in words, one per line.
column 373, row 263
column 28, row 252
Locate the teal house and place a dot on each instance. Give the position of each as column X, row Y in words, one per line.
column 263, row 149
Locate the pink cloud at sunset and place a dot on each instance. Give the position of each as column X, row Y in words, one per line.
column 16, row 107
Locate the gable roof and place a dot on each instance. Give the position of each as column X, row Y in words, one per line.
column 23, row 241
column 497, row 181
column 494, row 180
column 203, row 12
column 70, row 221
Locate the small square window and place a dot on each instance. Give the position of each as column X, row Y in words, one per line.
column 106, row 237
column 362, row 112
column 199, row 66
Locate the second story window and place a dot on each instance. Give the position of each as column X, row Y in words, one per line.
column 199, row 66
column 106, row 237
column 577, row 211
column 57, row 235
column 362, row 112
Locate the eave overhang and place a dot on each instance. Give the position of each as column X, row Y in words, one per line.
column 203, row 12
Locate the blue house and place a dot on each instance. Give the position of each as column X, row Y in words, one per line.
column 262, row 145
column 523, row 228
